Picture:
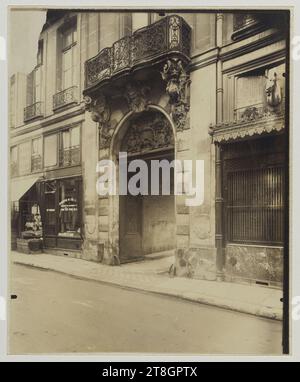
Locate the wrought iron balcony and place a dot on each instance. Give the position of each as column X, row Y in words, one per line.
column 69, row 156
column 33, row 111
column 146, row 46
column 65, row 97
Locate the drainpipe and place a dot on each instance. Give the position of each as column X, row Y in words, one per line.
column 219, row 238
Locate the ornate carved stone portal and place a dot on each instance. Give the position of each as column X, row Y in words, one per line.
column 100, row 112
column 148, row 131
column 177, row 88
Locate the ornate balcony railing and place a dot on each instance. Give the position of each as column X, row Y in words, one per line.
column 170, row 35
column 69, row 156
column 33, row 111
column 66, row 97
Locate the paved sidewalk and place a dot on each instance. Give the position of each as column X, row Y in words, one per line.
column 149, row 276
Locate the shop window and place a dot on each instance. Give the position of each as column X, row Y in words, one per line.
column 50, row 150
column 69, row 213
column 31, row 223
column 62, row 210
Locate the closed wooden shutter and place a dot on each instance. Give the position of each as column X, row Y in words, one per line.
column 30, row 89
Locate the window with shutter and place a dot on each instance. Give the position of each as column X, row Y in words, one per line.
column 30, row 89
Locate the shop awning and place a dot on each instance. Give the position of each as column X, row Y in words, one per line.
column 18, row 187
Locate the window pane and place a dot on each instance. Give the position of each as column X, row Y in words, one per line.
column 67, row 69
column 37, row 146
column 69, row 221
column 66, row 139
column 50, row 154
column 25, row 158
column 67, row 60
column 75, row 136
column 68, row 38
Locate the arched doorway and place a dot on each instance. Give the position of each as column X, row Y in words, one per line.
column 147, row 222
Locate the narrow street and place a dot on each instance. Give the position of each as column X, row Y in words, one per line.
column 54, row 313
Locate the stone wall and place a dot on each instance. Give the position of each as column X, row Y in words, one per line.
column 254, row 263
column 195, row 256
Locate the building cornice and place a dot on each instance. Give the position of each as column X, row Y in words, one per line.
column 236, row 49
column 54, row 118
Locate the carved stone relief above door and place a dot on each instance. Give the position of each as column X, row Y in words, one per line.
column 147, row 132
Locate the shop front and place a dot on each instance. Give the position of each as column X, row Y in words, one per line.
column 61, row 213
column 26, row 223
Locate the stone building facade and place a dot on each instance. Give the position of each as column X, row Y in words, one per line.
column 186, row 85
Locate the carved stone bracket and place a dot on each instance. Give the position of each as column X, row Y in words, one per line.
column 100, row 112
column 137, row 96
column 178, row 84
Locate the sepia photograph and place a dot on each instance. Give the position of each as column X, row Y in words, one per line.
column 148, row 180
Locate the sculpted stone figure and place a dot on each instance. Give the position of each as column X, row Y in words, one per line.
column 178, row 90
column 137, row 96
column 273, row 88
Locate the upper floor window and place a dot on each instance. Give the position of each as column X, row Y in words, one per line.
column 40, row 52
column 24, row 158
column 65, row 145
column 14, row 161
column 70, row 147
column 36, row 154
column 50, row 150
column 67, row 56
column 69, row 37
column 34, row 86
column 12, row 99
